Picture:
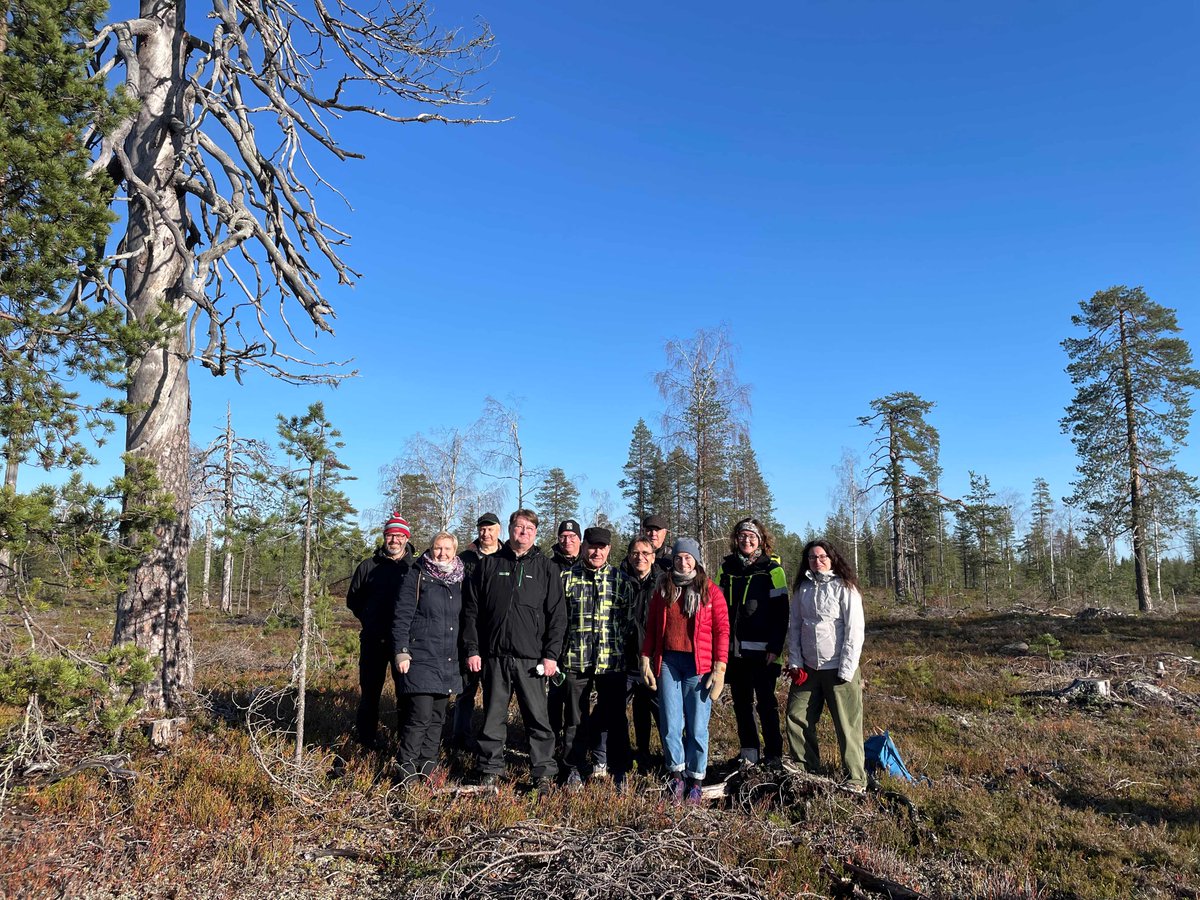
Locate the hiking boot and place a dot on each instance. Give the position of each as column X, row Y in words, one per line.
column 852, row 787
column 573, row 781
column 675, row 787
column 543, row 785
column 694, row 796
column 599, row 771
column 489, row 780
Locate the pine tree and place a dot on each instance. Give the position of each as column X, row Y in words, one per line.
column 219, row 164
column 906, row 447
column 313, row 442
column 54, row 220
column 1132, row 407
column 1040, row 543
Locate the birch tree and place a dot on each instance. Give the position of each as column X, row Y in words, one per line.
column 218, row 169
column 502, row 455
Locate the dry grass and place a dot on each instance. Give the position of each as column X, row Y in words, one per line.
column 1029, row 797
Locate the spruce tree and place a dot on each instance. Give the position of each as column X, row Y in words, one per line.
column 1134, row 380
column 557, row 498
column 642, row 468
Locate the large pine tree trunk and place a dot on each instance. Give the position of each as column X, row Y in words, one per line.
column 12, row 465
column 1137, row 510
column 153, row 611
column 899, row 573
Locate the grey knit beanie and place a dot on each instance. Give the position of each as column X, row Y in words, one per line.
column 687, row 545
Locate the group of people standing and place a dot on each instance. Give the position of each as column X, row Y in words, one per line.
column 654, row 634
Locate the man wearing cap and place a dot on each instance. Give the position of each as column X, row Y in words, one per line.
column 486, row 543
column 372, row 595
column 566, row 552
column 655, row 528
column 514, row 623
column 598, row 601
column 564, row 555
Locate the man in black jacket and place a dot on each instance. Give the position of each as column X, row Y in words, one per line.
column 514, row 624
column 374, row 589
column 487, row 543
column 640, row 570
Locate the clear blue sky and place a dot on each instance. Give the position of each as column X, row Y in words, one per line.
column 873, row 196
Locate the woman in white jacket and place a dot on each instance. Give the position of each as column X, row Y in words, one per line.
column 825, row 638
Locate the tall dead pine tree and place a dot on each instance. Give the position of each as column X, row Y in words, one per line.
column 222, row 221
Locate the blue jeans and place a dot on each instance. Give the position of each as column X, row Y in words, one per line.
column 683, row 709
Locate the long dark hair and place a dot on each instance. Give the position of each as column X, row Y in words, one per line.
column 841, row 566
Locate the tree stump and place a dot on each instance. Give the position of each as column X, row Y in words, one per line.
column 1084, row 689
column 164, row 733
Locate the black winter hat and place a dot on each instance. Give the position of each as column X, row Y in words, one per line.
column 597, row 536
column 569, row 525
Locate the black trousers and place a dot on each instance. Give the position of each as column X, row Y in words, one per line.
column 644, row 708
column 557, row 700
column 421, row 720
column 464, row 710
column 602, row 730
column 374, row 661
column 503, row 677
column 752, row 685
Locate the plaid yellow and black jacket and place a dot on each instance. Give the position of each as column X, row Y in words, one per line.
column 599, row 603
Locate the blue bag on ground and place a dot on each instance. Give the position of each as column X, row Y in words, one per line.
column 881, row 753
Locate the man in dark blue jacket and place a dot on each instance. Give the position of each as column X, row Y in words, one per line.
column 374, row 589
column 514, row 624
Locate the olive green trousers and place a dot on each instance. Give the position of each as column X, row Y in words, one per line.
column 844, row 699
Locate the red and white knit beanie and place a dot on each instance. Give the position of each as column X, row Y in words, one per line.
column 397, row 524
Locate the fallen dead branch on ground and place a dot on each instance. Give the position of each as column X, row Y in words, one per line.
column 534, row 860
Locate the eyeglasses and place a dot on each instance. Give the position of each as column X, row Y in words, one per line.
column 641, row 553
column 817, row 557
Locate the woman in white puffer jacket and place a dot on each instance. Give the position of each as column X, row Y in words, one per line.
column 825, row 639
